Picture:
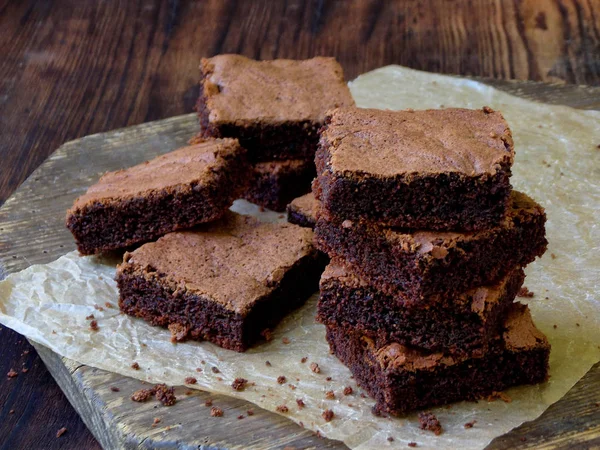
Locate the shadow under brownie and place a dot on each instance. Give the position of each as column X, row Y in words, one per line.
column 225, row 282
column 430, row 267
column 403, row 379
column 467, row 325
column 183, row 188
column 445, row 169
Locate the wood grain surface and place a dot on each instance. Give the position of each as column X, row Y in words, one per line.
column 72, row 68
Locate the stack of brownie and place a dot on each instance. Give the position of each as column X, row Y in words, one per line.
column 427, row 243
column 275, row 109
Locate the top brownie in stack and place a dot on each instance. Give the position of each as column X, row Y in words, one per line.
column 443, row 169
column 274, row 108
column 180, row 189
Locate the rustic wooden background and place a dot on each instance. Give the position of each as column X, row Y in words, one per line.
column 72, row 68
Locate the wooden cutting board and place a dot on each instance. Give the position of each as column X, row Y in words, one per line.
column 32, row 232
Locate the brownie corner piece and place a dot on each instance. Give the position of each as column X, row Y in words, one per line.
column 251, row 275
column 443, row 169
column 303, row 211
column 180, row 189
column 273, row 107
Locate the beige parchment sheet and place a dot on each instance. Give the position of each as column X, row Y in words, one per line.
column 557, row 163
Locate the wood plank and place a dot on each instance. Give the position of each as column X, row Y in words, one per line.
column 32, row 231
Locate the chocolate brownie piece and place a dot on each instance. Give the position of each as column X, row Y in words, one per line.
column 443, row 169
column 429, row 267
column 471, row 321
column 403, row 379
column 274, row 184
column 180, row 189
column 303, row 211
column 224, row 282
column 275, row 108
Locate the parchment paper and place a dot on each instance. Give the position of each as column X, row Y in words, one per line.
column 557, row 163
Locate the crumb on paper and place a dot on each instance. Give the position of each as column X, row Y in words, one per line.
column 198, row 369
column 328, row 415
column 268, row 363
column 524, row 292
column 282, row 409
column 330, row 395
column 135, row 366
column 300, row 403
column 239, row 384
column 470, row 424
column 348, row 390
column 552, row 255
column 215, row 369
column 155, row 422
column 178, row 332
column 292, row 387
column 328, row 379
column 281, row 379
column 498, row 396
column 315, row 367
column 267, row 334
column 216, row 412
column 208, row 402
column 285, row 340
column 142, row 395
column 94, row 325
column 12, row 374
column 60, row 432
column 241, row 416
column 114, row 389
column 109, row 305
column 428, row 421
column 487, row 110
column 390, row 439
column 412, row 444
column 98, row 308
column 190, row 380
column 250, row 412
column 189, row 392
column 90, row 317
column 304, row 359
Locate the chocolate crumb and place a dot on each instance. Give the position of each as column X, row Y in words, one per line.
column 303, row 360
column 215, row 369
column 189, row 392
column 487, row 110
column 267, row 334
column 24, row 370
column 268, row 363
column 190, row 380
column 281, row 379
column 165, row 395
column 12, row 374
column 470, row 424
column 328, row 379
column 328, row 415
column 135, row 366
column 250, row 412
column 12, row 411
column 219, row 379
column 282, row 409
column 390, row 439
column 114, row 389
column 285, row 341
column 198, row 369
column 523, row 439
column 348, row 390
column 362, row 395
column 98, row 308
column 208, row 402
column 300, row 403
column 155, row 421
column 577, row 324
column 60, row 432
column 498, row 396
column 412, row 444
column 429, row 422
column 315, row 367
column 94, row 325
column 292, row 387
column 552, row 255
column 142, row 395
column 216, row 412
column 330, row 395
column 524, row 292
column 178, row 332
column 241, row 416
column 554, row 326
column 90, row 317
column 239, row 384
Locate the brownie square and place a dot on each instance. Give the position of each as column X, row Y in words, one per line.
column 432, row 267
column 224, row 282
column 275, row 183
column 274, row 108
column 303, row 211
column 180, row 189
column 468, row 324
column 403, row 379
column 443, row 169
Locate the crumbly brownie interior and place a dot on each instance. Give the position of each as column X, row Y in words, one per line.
column 402, row 379
column 467, row 325
column 429, row 267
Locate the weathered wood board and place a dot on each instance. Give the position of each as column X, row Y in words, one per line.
column 32, row 231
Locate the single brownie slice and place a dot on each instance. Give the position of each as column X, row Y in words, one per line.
column 443, row 169
column 403, row 379
column 192, row 185
column 224, row 282
column 429, row 267
column 303, row 211
column 468, row 324
column 274, row 184
column 275, row 108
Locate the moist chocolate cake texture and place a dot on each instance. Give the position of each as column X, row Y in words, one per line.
column 178, row 190
column 224, row 282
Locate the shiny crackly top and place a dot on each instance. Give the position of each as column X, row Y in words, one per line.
column 233, row 261
column 186, row 165
column 520, row 335
column 308, row 205
column 387, row 143
column 244, row 91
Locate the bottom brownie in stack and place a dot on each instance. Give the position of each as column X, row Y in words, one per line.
column 402, row 379
column 276, row 183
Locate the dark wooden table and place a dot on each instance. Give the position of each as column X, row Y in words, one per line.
column 72, row 68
